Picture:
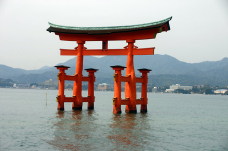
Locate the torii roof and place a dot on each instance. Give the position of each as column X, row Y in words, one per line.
column 108, row 30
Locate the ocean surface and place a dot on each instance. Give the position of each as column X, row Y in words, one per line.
column 29, row 121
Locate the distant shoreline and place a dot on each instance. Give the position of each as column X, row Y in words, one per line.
column 109, row 91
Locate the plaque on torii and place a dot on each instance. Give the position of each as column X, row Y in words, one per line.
column 105, row 34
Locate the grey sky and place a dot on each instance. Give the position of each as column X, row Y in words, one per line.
column 198, row 28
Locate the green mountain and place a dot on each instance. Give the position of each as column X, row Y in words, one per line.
column 166, row 70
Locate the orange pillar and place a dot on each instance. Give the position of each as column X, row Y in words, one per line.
column 117, row 89
column 61, row 83
column 144, row 98
column 91, row 81
column 130, row 87
column 77, row 89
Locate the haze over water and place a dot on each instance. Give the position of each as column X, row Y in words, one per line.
column 30, row 121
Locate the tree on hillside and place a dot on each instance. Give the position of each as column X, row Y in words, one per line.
column 6, row 82
column 226, row 93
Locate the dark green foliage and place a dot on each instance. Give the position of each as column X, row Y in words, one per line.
column 6, row 82
column 196, row 90
column 34, row 84
column 182, row 91
column 209, row 91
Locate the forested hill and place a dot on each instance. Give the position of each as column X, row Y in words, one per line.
column 166, row 70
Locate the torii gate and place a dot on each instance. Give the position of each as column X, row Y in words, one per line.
column 128, row 33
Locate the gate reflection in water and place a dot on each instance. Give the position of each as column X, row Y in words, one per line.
column 82, row 130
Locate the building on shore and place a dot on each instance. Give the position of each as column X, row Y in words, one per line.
column 220, row 91
column 103, row 87
column 172, row 88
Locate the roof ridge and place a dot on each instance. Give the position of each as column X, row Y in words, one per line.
column 111, row 27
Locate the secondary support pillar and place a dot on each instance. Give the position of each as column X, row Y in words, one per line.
column 77, row 89
column 144, row 98
column 91, row 81
column 130, row 87
column 117, row 89
column 61, row 85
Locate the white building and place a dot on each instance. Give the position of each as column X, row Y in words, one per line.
column 14, row 85
column 220, row 91
column 178, row 86
column 172, row 88
column 102, row 87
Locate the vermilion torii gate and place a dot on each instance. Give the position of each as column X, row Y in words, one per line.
column 128, row 33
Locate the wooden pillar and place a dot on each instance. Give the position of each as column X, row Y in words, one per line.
column 61, row 86
column 77, row 89
column 117, row 89
column 130, row 87
column 91, row 81
column 144, row 98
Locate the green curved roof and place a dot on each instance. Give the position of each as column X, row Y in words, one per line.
column 105, row 30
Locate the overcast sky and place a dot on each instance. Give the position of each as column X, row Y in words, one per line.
column 199, row 28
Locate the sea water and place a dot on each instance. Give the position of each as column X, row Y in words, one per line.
column 29, row 121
